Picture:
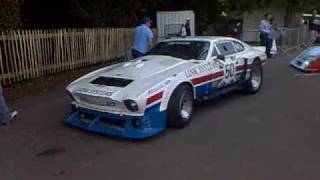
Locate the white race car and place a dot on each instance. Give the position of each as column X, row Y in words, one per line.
column 140, row 98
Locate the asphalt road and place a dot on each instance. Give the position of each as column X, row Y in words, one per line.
column 268, row 136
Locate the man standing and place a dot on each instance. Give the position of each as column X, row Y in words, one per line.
column 183, row 31
column 265, row 31
column 187, row 26
column 143, row 38
column 5, row 116
column 313, row 26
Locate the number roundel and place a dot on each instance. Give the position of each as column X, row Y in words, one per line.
column 230, row 70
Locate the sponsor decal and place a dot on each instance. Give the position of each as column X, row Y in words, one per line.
column 228, row 75
column 95, row 92
column 157, row 88
column 200, row 69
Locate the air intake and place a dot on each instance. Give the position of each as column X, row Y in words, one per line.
column 115, row 82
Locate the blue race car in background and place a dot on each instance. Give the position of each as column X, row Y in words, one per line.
column 308, row 61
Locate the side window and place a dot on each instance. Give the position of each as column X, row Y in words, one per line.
column 214, row 52
column 226, row 48
column 239, row 47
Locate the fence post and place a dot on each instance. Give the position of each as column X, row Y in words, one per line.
column 2, row 78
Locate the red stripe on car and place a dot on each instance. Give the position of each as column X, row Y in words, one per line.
column 209, row 77
column 154, row 98
column 240, row 68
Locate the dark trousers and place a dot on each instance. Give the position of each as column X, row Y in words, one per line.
column 263, row 38
column 4, row 112
column 136, row 54
column 266, row 42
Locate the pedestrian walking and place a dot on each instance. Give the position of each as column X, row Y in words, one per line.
column 265, row 32
column 143, row 38
column 5, row 116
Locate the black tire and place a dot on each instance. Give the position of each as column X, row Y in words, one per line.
column 256, row 70
column 175, row 117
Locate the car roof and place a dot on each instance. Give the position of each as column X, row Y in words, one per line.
column 200, row 38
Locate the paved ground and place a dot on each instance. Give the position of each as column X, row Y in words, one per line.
column 268, row 136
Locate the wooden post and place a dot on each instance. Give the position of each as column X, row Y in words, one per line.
column 2, row 73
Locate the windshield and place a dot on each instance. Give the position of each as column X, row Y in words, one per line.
column 182, row 49
column 309, row 54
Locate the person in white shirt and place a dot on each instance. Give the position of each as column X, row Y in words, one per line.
column 265, row 31
column 183, row 31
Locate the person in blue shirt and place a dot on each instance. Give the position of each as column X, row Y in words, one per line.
column 265, row 33
column 143, row 38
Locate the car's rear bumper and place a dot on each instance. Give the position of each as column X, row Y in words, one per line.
column 136, row 127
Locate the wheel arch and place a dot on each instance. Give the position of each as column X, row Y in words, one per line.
column 170, row 91
column 257, row 59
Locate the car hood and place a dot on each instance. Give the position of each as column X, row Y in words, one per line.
column 130, row 79
column 143, row 67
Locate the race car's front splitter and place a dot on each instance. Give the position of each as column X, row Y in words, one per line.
column 152, row 123
column 298, row 65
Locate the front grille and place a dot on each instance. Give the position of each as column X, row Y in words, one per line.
column 86, row 118
column 113, row 123
column 98, row 101
column 114, row 82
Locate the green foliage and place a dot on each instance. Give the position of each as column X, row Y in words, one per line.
column 126, row 13
column 296, row 5
column 9, row 14
column 290, row 7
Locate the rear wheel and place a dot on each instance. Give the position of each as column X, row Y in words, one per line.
column 180, row 107
column 253, row 85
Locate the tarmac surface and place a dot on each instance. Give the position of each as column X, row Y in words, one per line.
column 268, row 136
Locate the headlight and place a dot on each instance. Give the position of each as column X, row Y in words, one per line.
column 306, row 63
column 131, row 105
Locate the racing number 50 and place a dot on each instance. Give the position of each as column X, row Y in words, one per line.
column 230, row 70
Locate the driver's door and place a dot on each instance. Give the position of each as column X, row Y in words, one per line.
column 227, row 51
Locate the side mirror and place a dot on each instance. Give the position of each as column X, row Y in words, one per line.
column 221, row 57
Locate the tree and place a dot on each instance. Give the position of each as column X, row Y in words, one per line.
column 290, row 6
column 9, row 14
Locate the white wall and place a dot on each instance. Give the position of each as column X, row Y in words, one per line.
column 174, row 17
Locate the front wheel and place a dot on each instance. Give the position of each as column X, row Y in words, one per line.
column 180, row 107
column 253, row 85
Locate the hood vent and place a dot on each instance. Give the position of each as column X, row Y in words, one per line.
column 108, row 81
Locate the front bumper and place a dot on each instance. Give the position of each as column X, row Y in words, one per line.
column 135, row 127
column 298, row 65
